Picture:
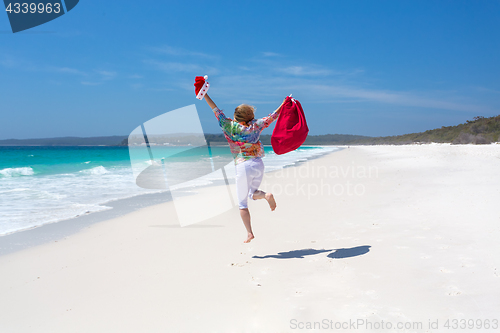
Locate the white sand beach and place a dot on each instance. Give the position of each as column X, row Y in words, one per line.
column 403, row 235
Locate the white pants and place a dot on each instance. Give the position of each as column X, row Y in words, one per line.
column 248, row 178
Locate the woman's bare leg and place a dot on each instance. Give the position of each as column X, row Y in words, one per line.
column 245, row 216
column 268, row 196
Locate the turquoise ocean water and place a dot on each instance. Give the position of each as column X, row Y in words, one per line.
column 40, row 185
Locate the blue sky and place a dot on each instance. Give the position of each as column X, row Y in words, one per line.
column 358, row 67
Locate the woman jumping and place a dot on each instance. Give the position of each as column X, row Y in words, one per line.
column 243, row 134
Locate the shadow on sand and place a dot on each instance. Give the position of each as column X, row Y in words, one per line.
column 351, row 252
column 336, row 254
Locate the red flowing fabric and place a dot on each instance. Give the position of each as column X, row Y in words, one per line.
column 291, row 128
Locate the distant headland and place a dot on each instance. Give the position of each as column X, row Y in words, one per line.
column 479, row 130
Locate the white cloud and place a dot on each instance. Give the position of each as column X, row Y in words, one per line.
column 172, row 67
column 269, row 77
column 177, row 51
column 264, row 87
column 390, row 97
column 88, row 83
column 67, row 70
column 136, row 86
column 271, row 54
column 162, row 89
column 8, row 62
column 315, row 70
column 304, row 71
column 487, row 90
column 106, row 75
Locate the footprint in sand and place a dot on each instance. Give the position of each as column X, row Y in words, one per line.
column 256, row 281
column 235, row 264
column 372, row 294
column 467, row 262
column 453, row 291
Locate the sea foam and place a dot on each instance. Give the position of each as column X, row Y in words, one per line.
column 100, row 170
column 14, row 172
column 30, row 199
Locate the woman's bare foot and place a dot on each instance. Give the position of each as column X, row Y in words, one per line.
column 249, row 239
column 270, row 200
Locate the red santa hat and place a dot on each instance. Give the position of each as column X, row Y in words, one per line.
column 201, row 86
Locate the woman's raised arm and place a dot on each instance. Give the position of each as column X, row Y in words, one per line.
column 210, row 102
column 266, row 121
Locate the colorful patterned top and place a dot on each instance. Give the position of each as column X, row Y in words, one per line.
column 244, row 140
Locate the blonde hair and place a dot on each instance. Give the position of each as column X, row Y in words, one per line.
column 244, row 113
